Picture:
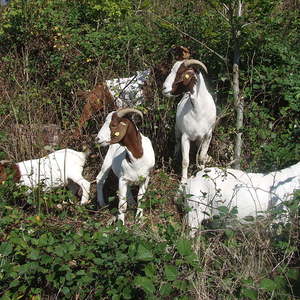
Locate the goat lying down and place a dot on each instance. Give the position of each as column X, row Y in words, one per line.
column 196, row 111
column 252, row 194
column 130, row 156
column 53, row 170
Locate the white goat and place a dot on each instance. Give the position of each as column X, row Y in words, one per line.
column 53, row 170
column 130, row 155
column 252, row 194
column 196, row 111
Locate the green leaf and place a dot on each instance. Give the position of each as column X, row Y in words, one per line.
column 229, row 233
column 184, row 247
column 66, row 290
column 14, row 283
column 34, row 254
column 127, row 292
column 80, row 273
column 249, row 293
column 268, row 284
column 150, row 270
column 144, row 254
column 182, row 285
column 6, row 248
column 166, row 289
column 293, row 273
column 171, row 272
column 59, row 250
column 145, row 283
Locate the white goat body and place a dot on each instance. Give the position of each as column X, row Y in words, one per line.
column 54, row 170
column 252, row 194
column 130, row 156
column 196, row 111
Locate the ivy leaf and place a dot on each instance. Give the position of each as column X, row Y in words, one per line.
column 34, row 254
column 268, row 284
column 6, row 248
column 166, row 289
column 145, row 283
column 184, row 247
column 171, row 272
column 249, row 293
column 150, row 270
column 143, row 253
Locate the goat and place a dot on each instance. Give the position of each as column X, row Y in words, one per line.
column 252, row 194
column 130, row 155
column 127, row 92
column 196, row 111
column 54, row 170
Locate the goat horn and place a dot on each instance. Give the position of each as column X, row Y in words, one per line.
column 124, row 111
column 189, row 62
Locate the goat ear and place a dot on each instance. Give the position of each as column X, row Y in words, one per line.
column 118, row 133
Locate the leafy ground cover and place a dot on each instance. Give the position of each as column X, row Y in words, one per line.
column 50, row 247
column 51, row 251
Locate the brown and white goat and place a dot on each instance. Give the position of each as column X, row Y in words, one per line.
column 54, row 170
column 130, row 156
column 196, row 111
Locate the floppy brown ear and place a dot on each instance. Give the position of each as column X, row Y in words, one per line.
column 118, row 132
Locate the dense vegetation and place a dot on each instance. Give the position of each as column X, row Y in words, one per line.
column 49, row 50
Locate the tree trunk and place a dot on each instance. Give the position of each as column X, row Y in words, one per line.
column 238, row 100
column 239, row 109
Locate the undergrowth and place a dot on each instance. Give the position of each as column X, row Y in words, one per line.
column 51, row 251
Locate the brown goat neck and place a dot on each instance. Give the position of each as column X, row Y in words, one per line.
column 133, row 140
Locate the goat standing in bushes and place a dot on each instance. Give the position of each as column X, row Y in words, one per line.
column 54, row 170
column 196, row 111
column 130, row 156
column 252, row 194
column 127, row 92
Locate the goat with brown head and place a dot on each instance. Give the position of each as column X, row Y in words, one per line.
column 130, row 156
column 196, row 111
column 186, row 76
